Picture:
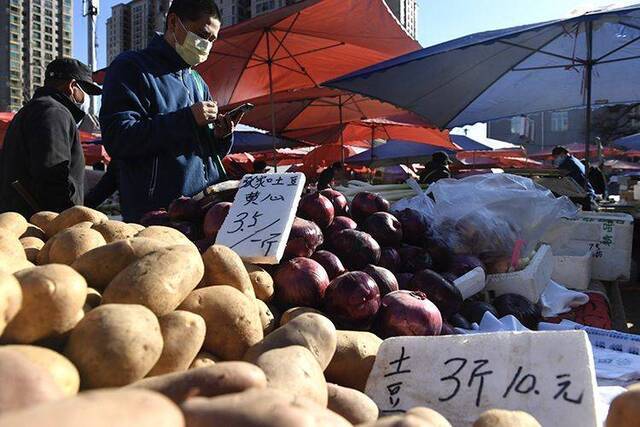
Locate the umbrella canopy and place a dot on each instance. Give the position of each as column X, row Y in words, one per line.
column 5, row 120
column 323, row 156
column 586, row 60
column 466, row 143
column 302, row 45
column 395, row 152
column 250, row 141
column 631, row 142
column 578, row 151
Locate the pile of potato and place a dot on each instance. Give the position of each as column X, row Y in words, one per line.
column 106, row 323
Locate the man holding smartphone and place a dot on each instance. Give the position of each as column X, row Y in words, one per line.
column 158, row 118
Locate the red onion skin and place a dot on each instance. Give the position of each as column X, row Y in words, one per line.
column 317, row 208
column 159, row 217
column 331, row 263
column 338, row 200
column 443, row 293
column 352, row 300
column 185, row 209
column 462, row 264
column 390, row 259
column 414, row 226
column 215, row 217
column 300, row 282
column 384, row 228
column 404, row 279
column 385, row 279
column 355, row 248
column 304, row 238
column 407, row 313
column 340, row 223
column 413, row 259
column 365, row 204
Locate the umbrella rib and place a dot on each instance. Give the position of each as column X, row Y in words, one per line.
column 629, row 58
column 293, row 58
column 237, row 82
column 287, row 32
column 548, row 67
column 617, row 49
column 251, row 54
column 555, row 55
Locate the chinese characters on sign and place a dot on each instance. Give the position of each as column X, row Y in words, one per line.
column 259, row 221
column 548, row 374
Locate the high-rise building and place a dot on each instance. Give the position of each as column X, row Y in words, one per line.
column 32, row 34
column 406, row 12
column 260, row 7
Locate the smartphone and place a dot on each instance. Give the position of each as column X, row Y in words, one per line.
column 240, row 110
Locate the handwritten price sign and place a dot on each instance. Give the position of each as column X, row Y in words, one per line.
column 259, row 221
column 548, row 374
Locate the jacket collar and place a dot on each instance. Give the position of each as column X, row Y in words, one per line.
column 159, row 46
column 63, row 99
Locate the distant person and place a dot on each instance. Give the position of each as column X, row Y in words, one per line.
column 42, row 149
column 563, row 160
column 259, row 166
column 105, row 188
column 327, row 176
column 597, row 179
column 436, row 169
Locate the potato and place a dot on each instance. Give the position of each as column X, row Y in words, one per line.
column 233, row 320
column 32, row 246
column 434, row 418
column 267, row 318
column 160, row 280
column 24, row 383
column 261, row 281
column 203, row 359
column 115, row 230
column 222, row 266
column 71, row 217
column 208, row 381
column 405, row 420
column 625, row 409
column 505, row 418
column 42, row 219
column 291, row 313
column 100, row 265
column 10, row 299
column 13, row 223
column 294, row 370
column 52, row 297
column 70, row 244
column 313, row 331
column 354, row 357
column 135, row 226
column 167, row 235
column 59, row 367
column 115, row 345
column 11, row 248
column 12, row 265
column 33, row 231
column 353, row 405
column 93, row 298
column 43, row 254
column 183, row 334
column 101, row 408
column 258, row 407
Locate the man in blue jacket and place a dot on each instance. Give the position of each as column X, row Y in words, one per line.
column 158, row 118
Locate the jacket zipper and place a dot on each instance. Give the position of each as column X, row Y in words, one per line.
column 154, row 177
column 192, row 98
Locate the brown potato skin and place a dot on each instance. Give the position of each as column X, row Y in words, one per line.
column 13, row 223
column 625, row 409
column 291, row 313
column 267, row 318
column 233, row 320
column 32, row 246
column 70, row 244
column 354, row 406
column 222, row 266
column 115, row 230
column 71, row 217
column 34, row 231
column 167, row 235
column 203, row 359
column 42, row 219
column 115, row 345
column 262, row 282
column 353, row 360
column 11, row 248
column 505, row 418
column 10, row 299
column 209, row 381
column 52, row 297
column 101, row 408
column 24, row 383
column 434, row 418
column 183, row 334
column 313, row 331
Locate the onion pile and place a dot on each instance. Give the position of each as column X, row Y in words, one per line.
column 185, row 209
column 414, row 226
column 304, row 238
column 407, row 313
column 352, row 300
column 385, row 279
column 317, row 208
column 355, row 248
column 214, row 218
column 300, row 282
column 442, row 292
column 365, row 204
column 337, row 199
column 331, row 263
column 340, row 223
column 389, row 259
column 384, row 228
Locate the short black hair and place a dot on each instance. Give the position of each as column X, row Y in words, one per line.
column 559, row 149
column 192, row 10
column 259, row 165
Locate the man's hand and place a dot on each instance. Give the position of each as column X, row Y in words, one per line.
column 224, row 126
column 205, row 112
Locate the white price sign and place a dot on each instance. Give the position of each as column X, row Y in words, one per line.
column 548, row 374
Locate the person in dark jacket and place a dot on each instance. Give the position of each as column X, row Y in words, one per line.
column 42, row 151
column 598, row 180
column 328, row 175
column 158, row 119
column 563, row 160
column 436, row 169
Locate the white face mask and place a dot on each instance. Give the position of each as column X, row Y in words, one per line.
column 195, row 50
column 84, row 105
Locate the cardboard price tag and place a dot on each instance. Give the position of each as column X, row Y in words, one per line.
column 260, row 219
column 548, row 374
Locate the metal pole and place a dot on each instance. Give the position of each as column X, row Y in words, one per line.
column 588, row 80
column 271, row 103
column 341, row 130
column 91, row 13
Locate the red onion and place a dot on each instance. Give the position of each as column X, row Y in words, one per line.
column 460, row 265
column 355, row 248
column 384, row 228
column 385, row 279
column 459, row 321
column 414, row 226
column 365, row 204
column 389, row 259
column 304, row 238
column 192, row 230
column 473, row 311
column 442, row 292
column 337, row 199
column 317, row 208
column 404, row 279
column 447, row 329
column 413, row 259
column 528, row 313
column 204, row 244
column 406, row 313
column 185, row 209
column 439, row 250
column 214, row 218
column 331, row 263
column 352, row 300
column 340, row 223
column 300, row 282
column 159, row 217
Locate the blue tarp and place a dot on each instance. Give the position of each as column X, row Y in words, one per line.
column 468, row 144
column 631, row 142
column 514, row 71
column 395, row 152
column 246, row 141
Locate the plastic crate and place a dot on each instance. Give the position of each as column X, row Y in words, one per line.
column 572, row 268
column 609, row 238
column 530, row 282
column 471, row 283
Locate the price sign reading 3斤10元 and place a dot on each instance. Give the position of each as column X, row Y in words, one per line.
column 260, row 219
column 550, row 375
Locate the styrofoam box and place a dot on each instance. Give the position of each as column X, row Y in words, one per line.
column 471, row 283
column 572, row 268
column 609, row 238
column 530, row 282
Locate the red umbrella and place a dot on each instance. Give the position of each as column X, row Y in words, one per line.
column 5, row 120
